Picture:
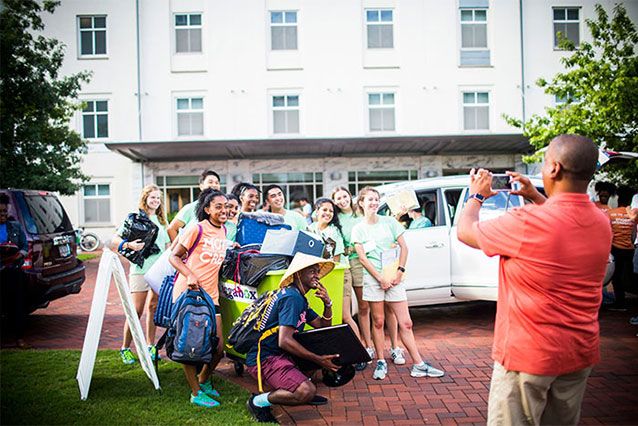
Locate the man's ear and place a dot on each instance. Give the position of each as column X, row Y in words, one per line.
column 555, row 169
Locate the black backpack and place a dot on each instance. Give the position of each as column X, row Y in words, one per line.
column 249, row 329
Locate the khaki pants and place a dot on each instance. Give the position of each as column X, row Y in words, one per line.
column 525, row 399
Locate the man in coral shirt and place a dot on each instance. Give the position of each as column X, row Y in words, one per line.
column 553, row 259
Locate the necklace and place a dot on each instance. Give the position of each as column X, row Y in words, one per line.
column 213, row 223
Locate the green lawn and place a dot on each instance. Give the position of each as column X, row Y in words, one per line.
column 87, row 256
column 39, row 387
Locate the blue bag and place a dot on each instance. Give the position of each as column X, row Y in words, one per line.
column 192, row 337
column 252, row 227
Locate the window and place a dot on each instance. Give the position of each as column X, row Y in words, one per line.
column 295, row 185
column 97, row 203
column 474, row 28
column 381, row 112
column 567, row 23
column 190, row 116
column 379, row 26
column 357, row 180
column 283, row 30
column 95, row 120
column 92, row 35
column 476, row 110
column 188, row 33
column 181, row 190
column 285, row 114
column 45, row 215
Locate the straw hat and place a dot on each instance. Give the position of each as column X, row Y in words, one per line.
column 302, row 261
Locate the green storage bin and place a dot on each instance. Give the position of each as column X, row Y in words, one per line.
column 233, row 299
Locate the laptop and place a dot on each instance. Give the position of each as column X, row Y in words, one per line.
column 336, row 339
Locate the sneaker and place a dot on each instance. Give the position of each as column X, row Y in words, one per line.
column 208, row 389
column 633, row 320
column 425, row 370
column 203, row 400
column 381, row 370
column 155, row 356
column 127, row 356
column 261, row 414
column 371, row 353
column 397, row 356
column 361, row 366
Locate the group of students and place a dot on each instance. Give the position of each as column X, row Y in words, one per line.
column 360, row 237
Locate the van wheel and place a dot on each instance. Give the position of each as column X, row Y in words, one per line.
column 239, row 368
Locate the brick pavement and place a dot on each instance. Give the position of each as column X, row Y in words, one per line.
column 456, row 338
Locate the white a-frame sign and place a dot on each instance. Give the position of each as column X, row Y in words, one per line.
column 110, row 265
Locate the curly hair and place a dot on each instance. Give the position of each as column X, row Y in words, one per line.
column 204, row 200
column 146, row 191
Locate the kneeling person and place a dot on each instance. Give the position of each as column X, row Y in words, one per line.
column 290, row 311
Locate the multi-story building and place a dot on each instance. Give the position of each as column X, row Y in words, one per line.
column 307, row 94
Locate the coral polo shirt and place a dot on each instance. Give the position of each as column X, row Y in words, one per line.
column 553, row 260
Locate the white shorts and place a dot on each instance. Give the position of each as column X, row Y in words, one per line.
column 372, row 291
column 137, row 283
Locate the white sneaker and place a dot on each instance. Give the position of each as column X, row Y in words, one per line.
column 397, row 356
column 425, row 370
column 371, row 353
column 381, row 371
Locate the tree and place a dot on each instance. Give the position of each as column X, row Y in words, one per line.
column 600, row 89
column 38, row 149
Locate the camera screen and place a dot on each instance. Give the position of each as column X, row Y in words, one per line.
column 501, row 183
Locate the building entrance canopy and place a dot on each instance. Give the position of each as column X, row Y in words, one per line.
column 193, row 150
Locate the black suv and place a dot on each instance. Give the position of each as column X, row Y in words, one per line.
column 51, row 267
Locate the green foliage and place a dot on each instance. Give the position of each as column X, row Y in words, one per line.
column 39, row 387
column 38, row 150
column 600, row 86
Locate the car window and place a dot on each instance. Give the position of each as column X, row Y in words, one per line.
column 429, row 209
column 43, row 214
column 497, row 204
column 452, row 196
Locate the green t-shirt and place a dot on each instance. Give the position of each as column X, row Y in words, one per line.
column 231, row 230
column 161, row 241
column 295, row 220
column 420, row 222
column 188, row 214
column 348, row 221
column 377, row 238
column 330, row 232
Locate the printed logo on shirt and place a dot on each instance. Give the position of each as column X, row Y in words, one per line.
column 213, row 251
column 302, row 319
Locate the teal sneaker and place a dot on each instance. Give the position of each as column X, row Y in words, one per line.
column 203, row 400
column 155, row 356
column 127, row 356
column 209, row 390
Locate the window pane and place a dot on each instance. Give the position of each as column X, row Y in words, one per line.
column 559, row 14
column 277, row 38
column 196, row 19
column 181, row 40
column 482, row 119
column 276, row 17
column 89, row 106
column 480, row 35
column 480, row 15
column 86, row 43
column 293, row 101
column 103, row 210
column 180, row 20
column 558, row 28
column 291, row 17
column 374, row 37
column 388, row 119
column 386, row 16
column 483, row 97
column 291, row 38
column 197, row 123
column 103, row 190
column 376, row 120
column 195, row 40
column 467, row 35
column 183, row 124
column 468, row 98
column 182, row 103
column 100, row 42
column 101, row 106
column 279, row 122
column 278, row 101
column 572, row 33
column 469, row 118
column 89, row 190
column 374, row 99
column 466, row 15
column 197, row 103
column 387, row 37
column 100, row 21
column 572, row 14
column 388, row 98
column 90, row 211
column 88, row 129
column 293, row 121
column 85, row 22
column 372, row 16
column 102, row 126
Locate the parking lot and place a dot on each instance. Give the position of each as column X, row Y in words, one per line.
column 456, row 338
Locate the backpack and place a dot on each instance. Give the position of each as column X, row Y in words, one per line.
column 192, row 337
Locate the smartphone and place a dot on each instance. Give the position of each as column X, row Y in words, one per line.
column 502, row 183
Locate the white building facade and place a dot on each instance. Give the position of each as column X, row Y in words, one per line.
column 307, row 94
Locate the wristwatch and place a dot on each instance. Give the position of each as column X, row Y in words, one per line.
column 401, row 268
column 478, row 197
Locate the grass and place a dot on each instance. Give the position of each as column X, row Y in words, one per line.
column 87, row 256
column 39, row 387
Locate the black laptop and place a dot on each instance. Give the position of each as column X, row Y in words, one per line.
column 337, row 339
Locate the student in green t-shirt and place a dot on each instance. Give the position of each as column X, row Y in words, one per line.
column 232, row 210
column 274, row 196
column 150, row 203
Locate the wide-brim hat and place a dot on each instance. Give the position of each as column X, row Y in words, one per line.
column 302, row 261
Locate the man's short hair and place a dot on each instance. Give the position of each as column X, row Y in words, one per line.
column 577, row 154
column 207, row 173
column 268, row 188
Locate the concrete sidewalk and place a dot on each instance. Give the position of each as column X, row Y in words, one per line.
column 455, row 338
